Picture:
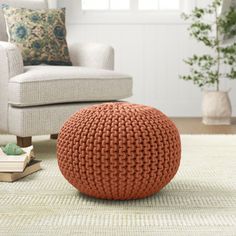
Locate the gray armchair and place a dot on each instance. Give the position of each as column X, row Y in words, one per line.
column 36, row 100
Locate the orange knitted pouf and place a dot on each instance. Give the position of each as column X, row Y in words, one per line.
column 119, row 151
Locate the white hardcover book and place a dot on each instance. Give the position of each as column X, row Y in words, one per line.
column 15, row 163
column 31, row 168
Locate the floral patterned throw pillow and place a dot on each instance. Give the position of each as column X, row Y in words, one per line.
column 39, row 34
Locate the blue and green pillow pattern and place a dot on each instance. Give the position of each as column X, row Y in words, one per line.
column 39, row 34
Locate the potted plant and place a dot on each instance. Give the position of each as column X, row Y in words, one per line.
column 207, row 71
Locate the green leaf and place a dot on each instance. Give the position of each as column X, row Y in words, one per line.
column 207, row 69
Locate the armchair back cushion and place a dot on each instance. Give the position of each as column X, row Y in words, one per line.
column 30, row 4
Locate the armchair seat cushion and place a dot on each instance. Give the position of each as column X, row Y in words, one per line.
column 42, row 85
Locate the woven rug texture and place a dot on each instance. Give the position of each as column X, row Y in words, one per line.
column 200, row 200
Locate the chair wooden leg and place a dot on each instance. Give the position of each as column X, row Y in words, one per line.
column 24, row 141
column 54, row 136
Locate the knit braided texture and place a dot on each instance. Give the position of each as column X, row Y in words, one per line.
column 119, row 151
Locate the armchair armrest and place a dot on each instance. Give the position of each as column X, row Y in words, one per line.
column 11, row 64
column 92, row 55
column 11, row 61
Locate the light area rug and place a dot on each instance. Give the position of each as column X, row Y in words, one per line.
column 201, row 199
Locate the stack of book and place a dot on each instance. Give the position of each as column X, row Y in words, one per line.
column 14, row 167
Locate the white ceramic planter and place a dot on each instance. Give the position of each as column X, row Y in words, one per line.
column 216, row 108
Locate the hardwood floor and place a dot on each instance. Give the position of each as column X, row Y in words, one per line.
column 194, row 125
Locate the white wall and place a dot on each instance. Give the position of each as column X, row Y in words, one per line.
column 152, row 54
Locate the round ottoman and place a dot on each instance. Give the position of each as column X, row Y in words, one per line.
column 119, row 151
